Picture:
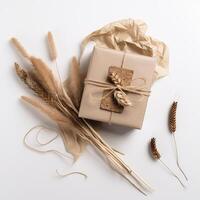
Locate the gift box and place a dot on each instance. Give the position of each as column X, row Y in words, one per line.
column 117, row 87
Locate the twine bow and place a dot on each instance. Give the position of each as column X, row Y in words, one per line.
column 120, row 91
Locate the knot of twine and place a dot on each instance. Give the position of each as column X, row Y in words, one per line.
column 114, row 87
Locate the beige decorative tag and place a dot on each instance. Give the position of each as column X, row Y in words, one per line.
column 109, row 103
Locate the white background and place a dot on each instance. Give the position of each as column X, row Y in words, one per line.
column 27, row 175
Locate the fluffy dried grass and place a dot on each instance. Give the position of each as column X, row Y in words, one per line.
column 62, row 107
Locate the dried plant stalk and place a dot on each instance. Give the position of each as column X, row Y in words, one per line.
column 172, row 129
column 20, row 48
column 157, row 156
column 52, row 46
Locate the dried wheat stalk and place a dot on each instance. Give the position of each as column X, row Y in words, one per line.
column 157, row 156
column 122, row 98
column 172, row 129
column 60, row 107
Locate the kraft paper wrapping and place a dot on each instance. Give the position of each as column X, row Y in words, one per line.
column 102, row 58
column 130, row 36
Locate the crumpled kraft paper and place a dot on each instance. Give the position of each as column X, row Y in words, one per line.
column 130, row 36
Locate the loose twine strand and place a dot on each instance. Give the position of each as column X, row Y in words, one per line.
column 49, row 141
column 40, row 143
column 54, row 151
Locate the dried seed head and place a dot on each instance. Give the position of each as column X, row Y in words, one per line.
column 21, row 72
column 20, row 48
column 122, row 98
column 172, row 117
column 52, row 46
column 115, row 78
column 154, row 151
column 30, row 80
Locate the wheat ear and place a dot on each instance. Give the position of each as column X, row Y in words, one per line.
column 119, row 95
column 122, row 98
column 172, row 129
column 154, row 151
column 33, row 84
column 157, row 156
column 172, row 117
column 114, row 77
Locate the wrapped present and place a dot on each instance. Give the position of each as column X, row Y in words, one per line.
column 117, row 87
